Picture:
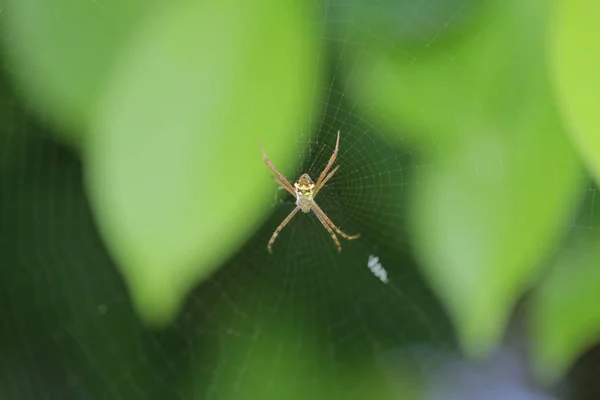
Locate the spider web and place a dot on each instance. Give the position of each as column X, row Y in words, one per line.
column 264, row 326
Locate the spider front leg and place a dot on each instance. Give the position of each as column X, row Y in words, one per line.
column 282, row 179
column 328, row 177
column 280, row 227
column 330, row 163
column 290, row 191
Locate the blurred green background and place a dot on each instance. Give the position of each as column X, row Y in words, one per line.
column 135, row 206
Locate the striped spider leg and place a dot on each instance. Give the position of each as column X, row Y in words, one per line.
column 305, row 191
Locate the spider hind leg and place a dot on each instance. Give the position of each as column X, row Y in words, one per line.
column 279, row 228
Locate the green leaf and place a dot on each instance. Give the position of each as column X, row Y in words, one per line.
column 499, row 172
column 273, row 356
column 564, row 309
column 62, row 298
column 575, row 59
column 443, row 90
column 60, row 53
column 175, row 169
column 488, row 210
column 484, row 218
column 15, row 130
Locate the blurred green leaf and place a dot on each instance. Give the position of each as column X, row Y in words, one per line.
column 575, row 58
column 472, row 71
column 62, row 299
column 499, row 173
column 273, row 356
column 60, row 53
column 564, row 309
column 405, row 22
column 273, row 367
column 485, row 217
column 175, row 168
column 15, row 129
column 488, row 211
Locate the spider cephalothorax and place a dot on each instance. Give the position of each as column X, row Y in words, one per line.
column 305, row 190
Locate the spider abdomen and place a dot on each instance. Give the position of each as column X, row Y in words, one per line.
column 304, row 203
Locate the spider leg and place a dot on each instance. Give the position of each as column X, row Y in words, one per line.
column 282, row 178
column 317, row 210
column 317, row 188
column 324, row 223
column 284, row 186
column 331, row 161
column 280, row 227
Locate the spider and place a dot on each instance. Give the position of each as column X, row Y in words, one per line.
column 305, row 190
